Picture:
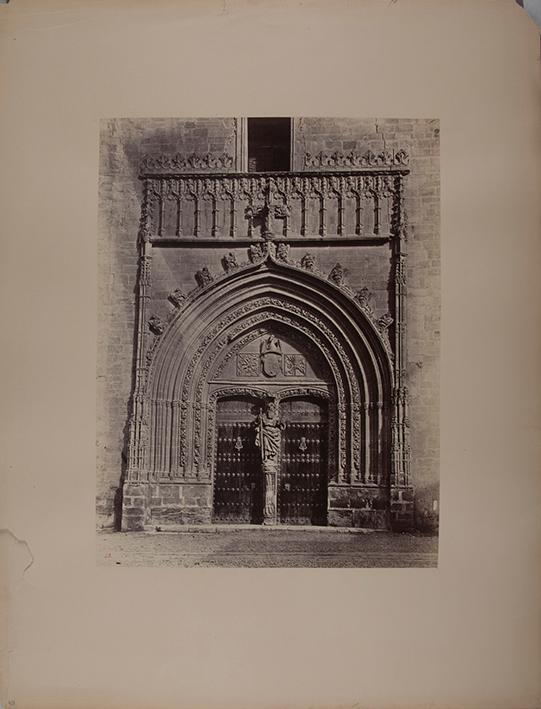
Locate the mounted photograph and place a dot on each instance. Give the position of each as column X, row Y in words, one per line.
column 268, row 350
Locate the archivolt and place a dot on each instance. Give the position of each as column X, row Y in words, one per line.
column 268, row 292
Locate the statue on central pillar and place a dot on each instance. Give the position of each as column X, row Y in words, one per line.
column 268, row 439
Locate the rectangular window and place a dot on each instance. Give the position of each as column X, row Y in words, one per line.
column 269, row 144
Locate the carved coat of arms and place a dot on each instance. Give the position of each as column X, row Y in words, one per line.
column 271, row 356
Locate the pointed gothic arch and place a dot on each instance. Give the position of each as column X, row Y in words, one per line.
column 177, row 401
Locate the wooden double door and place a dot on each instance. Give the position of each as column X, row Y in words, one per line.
column 301, row 482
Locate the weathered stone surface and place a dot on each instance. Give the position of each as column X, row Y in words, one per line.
column 370, row 519
column 340, row 518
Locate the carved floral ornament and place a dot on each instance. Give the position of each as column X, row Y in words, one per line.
column 156, row 324
column 385, row 158
column 160, row 164
column 177, row 297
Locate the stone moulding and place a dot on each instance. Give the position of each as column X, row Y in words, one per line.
column 269, row 262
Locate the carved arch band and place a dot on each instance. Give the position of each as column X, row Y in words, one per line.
column 179, row 400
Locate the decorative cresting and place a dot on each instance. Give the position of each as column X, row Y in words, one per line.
column 354, row 203
column 194, row 161
column 385, row 158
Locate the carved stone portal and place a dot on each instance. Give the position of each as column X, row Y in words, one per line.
column 174, row 430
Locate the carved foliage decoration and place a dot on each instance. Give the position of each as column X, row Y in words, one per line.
column 255, row 253
column 308, row 262
column 203, row 277
column 282, row 252
column 385, row 321
column 177, row 297
column 294, row 365
column 156, row 325
column 363, row 298
column 385, row 158
column 247, row 364
column 338, row 275
column 229, row 262
column 162, row 164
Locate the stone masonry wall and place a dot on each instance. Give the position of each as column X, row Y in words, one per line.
column 420, row 138
column 124, row 141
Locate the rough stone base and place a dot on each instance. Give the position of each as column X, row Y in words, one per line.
column 352, row 506
column 402, row 509
column 161, row 504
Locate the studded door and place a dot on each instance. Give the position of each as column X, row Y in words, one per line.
column 302, row 488
column 238, row 484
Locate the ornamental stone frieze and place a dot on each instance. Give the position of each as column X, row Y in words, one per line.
column 342, row 203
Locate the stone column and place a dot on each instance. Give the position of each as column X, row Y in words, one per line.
column 270, row 471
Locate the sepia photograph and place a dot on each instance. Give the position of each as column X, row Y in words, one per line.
column 271, row 353
column 268, row 350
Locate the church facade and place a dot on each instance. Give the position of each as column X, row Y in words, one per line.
column 269, row 318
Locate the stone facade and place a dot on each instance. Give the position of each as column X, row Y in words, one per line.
column 343, row 251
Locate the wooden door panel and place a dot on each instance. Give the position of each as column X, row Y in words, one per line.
column 302, row 489
column 238, row 493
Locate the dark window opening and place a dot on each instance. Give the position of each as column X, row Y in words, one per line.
column 269, row 144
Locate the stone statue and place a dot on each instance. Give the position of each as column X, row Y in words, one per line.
column 203, row 277
column 177, row 297
column 255, row 253
column 268, row 439
column 385, row 321
column 282, row 252
column 337, row 275
column 229, row 262
column 363, row 297
column 156, row 325
column 308, row 262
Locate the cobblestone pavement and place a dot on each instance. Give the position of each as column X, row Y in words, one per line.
column 267, row 547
